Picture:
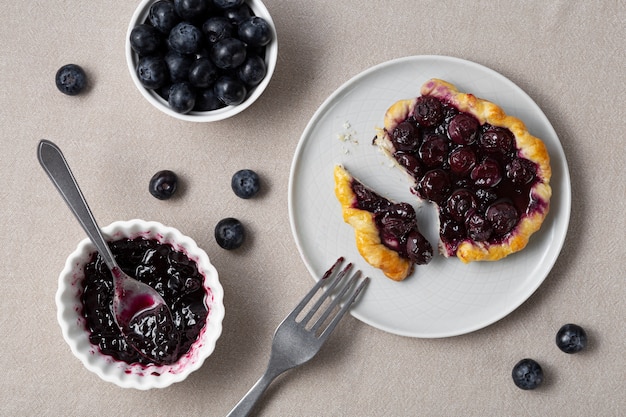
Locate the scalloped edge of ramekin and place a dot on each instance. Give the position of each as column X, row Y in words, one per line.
column 75, row 333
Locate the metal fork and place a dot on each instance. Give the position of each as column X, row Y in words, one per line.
column 295, row 342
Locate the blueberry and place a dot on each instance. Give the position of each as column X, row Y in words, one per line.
column 182, row 97
column 217, row 28
column 202, row 73
column 503, row 216
column 227, row 4
column 145, row 39
column 230, row 90
column 252, row 71
column 178, row 66
column 405, row 137
column 163, row 16
column 228, row 53
column 497, row 139
column 527, row 374
column 238, row 14
column 206, row 100
column 191, row 9
column 428, row 111
column 463, row 129
column 255, row 31
column 434, row 186
column 152, row 72
column 185, row 38
column 245, row 183
column 71, row 79
column 163, row 184
column 571, row 338
column 229, row 233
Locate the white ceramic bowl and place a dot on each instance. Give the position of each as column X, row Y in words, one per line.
column 271, row 56
column 76, row 334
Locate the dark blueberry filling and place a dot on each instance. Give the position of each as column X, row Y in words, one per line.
column 396, row 224
column 473, row 172
column 172, row 274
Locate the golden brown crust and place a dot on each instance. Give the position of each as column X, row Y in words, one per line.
column 366, row 233
column 530, row 147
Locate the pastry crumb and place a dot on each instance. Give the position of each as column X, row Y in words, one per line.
column 348, row 135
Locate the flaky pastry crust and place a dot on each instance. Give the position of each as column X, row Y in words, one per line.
column 366, row 233
column 529, row 147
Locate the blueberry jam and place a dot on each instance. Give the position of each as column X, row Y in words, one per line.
column 173, row 275
column 396, row 224
column 474, row 173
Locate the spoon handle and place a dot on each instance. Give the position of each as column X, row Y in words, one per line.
column 53, row 162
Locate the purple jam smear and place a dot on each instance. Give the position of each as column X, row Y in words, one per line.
column 396, row 224
column 173, row 275
column 474, row 173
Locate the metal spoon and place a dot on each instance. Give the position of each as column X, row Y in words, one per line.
column 133, row 300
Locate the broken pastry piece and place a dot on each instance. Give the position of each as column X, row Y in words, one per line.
column 487, row 175
column 387, row 234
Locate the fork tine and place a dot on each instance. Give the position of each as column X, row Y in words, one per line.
column 344, row 309
column 335, row 301
column 335, row 280
column 314, row 290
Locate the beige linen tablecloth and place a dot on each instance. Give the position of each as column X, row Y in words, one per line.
column 567, row 55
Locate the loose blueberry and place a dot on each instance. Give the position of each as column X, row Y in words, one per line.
column 163, row 16
column 185, row 38
column 182, row 97
column 71, row 79
column 571, row 338
column 163, row 184
column 527, row 374
column 230, row 90
column 252, row 71
column 145, row 39
column 228, row 53
column 229, row 233
column 245, row 183
column 202, row 73
column 152, row 72
column 255, row 31
column 217, row 28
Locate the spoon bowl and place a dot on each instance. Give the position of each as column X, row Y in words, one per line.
column 135, row 304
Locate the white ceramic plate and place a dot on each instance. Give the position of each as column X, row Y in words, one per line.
column 446, row 297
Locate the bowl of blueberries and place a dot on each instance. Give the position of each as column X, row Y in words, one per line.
column 201, row 60
column 178, row 269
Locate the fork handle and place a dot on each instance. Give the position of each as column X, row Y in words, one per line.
column 247, row 403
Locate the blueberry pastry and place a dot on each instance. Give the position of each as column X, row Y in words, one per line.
column 487, row 175
column 387, row 234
